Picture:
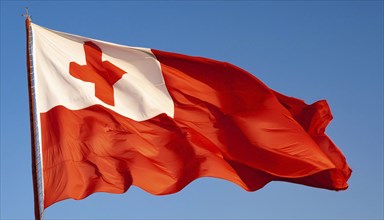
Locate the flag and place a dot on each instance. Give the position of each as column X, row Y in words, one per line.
column 111, row 116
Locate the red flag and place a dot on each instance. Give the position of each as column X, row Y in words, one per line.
column 112, row 116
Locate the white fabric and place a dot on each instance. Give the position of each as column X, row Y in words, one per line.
column 140, row 94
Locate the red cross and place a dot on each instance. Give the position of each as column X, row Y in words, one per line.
column 102, row 73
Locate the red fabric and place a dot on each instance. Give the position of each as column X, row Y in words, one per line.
column 227, row 124
column 102, row 73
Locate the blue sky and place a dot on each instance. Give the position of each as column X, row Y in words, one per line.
column 312, row 50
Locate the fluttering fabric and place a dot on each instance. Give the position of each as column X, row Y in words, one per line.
column 112, row 116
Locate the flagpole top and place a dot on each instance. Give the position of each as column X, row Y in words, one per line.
column 26, row 14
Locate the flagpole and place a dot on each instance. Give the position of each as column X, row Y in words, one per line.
column 38, row 207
